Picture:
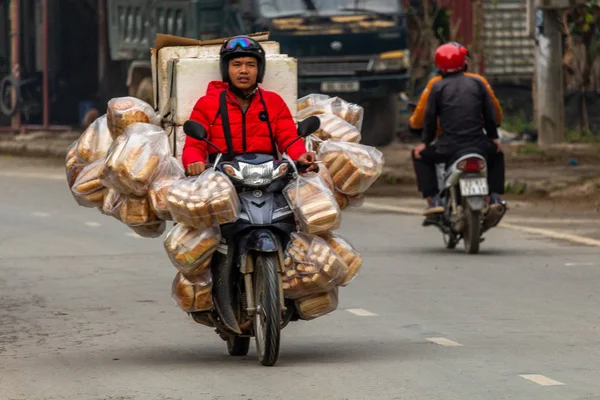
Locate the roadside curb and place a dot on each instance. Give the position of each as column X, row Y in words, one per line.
column 31, row 149
column 527, row 229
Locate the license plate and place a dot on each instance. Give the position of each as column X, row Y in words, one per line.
column 340, row 86
column 474, row 187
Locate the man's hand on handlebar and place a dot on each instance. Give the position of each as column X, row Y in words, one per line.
column 308, row 159
column 196, row 168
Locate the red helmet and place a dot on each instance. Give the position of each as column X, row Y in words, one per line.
column 451, row 57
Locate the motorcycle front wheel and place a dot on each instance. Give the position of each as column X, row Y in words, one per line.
column 267, row 320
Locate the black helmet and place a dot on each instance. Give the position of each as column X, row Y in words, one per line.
column 241, row 46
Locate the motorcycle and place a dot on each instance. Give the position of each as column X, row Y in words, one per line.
column 464, row 193
column 247, row 269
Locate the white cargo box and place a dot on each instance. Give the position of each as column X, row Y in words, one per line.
column 160, row 65
column 191, row 77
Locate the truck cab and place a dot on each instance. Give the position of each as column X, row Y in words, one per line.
column 353, row 49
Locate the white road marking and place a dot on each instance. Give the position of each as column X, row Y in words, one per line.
column 444, row 342
column 580, row 265
column 34, row 175
column 361, row 312
column 93, row 224
column 133, row 235
column 538, row 231
column 541, row 380
column 41, row 214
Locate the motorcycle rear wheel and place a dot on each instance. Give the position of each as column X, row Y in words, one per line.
column 472, row 235
column 267, row 321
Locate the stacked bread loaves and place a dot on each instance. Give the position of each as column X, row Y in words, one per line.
column 317, row 305
column 125, row 111
column 189, row 249
column 311, row 266
column 205, row 201
column 87, row 188
column 313, row 203
column 354, row 167
column 193, row 294
column 322, row 104
column 171, row 173
column 92, row 145
column 136, row 158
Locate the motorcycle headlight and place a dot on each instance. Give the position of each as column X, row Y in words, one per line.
column 256, row 175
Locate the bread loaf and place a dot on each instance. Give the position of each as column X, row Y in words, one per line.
column 125, row 111
column 349, row 254
column 317, row 305
column 353, row 167
column 311, row 266
column 313, row 203
column 335, row 127
column 94, row 142
column 195, row 294
column 205, row 201
column 135, row 162
column 87, row 189
column 351, row 113
column 190, row 250
column 157, row 193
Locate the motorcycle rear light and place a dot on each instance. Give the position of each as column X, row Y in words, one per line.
column 472, row 164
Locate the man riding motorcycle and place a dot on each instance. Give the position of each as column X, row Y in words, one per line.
column 463, row 105
column 259, row 120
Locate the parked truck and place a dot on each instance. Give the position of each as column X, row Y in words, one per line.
column 348, row 48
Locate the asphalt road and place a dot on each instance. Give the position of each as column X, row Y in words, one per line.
column 86, row 313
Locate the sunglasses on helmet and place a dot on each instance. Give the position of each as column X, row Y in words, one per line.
column 242, row 42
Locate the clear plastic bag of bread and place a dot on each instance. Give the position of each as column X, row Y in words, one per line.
column 136, row 159
column 336, row 128
column 204, row 201
column 129, row 209
column 311, row 100
column 94, row 142
column 135, row 212
column 313, row 203
column 317, row 305
column 171, row 173
column 72, row 165
column 191, row 250
column 87, row 189
column 349, row 112
column 311, row 266
column 125, row 111
column 348, row 253
column 353, row 167
column 193, row 293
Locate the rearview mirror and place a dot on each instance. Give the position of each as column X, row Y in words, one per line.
column 194, row 130
column 308, row 126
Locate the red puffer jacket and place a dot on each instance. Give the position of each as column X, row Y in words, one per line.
column 248, row 124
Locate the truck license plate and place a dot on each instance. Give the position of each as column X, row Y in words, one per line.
column 340, row 86
column 474, row 187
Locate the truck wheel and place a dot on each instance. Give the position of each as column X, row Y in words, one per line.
column 144, row 91
column 381, row 116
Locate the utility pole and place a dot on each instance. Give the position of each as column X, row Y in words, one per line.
column 15, row 53
column 550, row 118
